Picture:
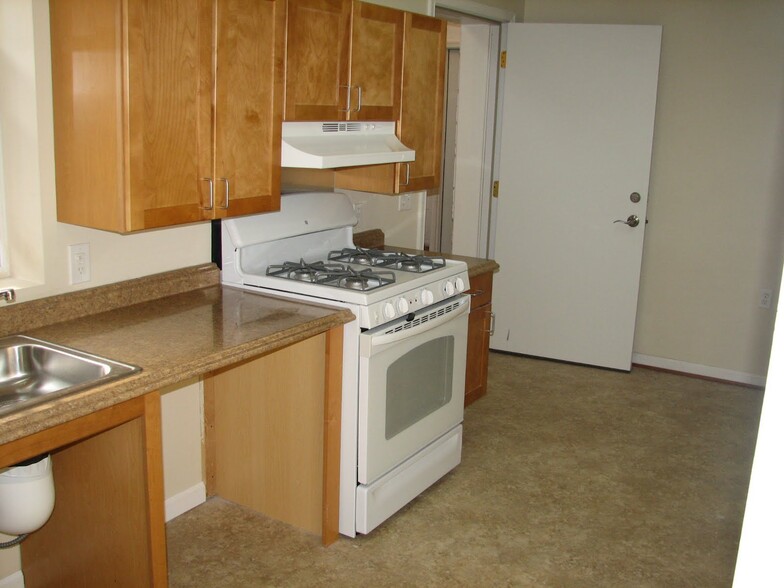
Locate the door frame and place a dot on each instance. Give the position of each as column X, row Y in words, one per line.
column 476, row 221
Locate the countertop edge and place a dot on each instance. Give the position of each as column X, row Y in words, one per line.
column 56, row 411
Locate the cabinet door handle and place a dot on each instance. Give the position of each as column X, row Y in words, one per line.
column 359, row 99
column 348, row 98
column 408, row 175
column 492, row 324
column 212, row 194
column 473, row 292
column 226, row 205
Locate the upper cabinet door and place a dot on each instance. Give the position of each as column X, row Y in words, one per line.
column 422, row 102
column 248, row 106
column 376, row 62
column 168, row 70
column 317, row 49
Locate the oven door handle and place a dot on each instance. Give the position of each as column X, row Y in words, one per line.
column 378, row 340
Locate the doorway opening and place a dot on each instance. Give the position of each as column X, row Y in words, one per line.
column 457, row 218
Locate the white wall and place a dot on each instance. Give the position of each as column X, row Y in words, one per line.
column 761, row 542
column 716, row 207
column 404, row 228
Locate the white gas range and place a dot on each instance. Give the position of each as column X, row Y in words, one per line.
column 403, row 358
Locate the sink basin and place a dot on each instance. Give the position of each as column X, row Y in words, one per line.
column 33, row 371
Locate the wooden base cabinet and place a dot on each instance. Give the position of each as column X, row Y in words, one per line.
column 479, row 326
column 107, row 527
column 166, row 112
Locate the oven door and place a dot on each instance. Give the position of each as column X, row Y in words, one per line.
column 411, row 384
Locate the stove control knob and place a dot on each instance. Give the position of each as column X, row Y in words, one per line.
column 459, row 284
column 449, row 289
column 402, row 306
column 427, row 297
column 389, row 310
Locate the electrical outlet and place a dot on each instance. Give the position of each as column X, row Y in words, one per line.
column 79, row 263
column 404, row 202
column 358, row 209
column 765, row 296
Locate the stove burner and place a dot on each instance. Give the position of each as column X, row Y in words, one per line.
column 360, row 255
column 417, row 263
column 351, row 279
column 356, row 282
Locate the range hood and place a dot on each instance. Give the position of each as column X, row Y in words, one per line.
column 326, row 145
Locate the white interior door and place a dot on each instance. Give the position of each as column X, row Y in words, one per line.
column 577, row 132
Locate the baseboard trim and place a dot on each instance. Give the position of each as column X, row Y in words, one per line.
column 15, row 580
column 184, row 501
column 696, row 369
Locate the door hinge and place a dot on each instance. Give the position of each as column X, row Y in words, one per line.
column 503, row 59
column 495, row 189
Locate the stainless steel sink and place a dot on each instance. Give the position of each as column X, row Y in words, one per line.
column 33, row 371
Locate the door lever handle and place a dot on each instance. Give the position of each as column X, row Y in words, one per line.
column 632, row 221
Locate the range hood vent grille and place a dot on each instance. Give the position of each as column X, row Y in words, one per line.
column 336, row 127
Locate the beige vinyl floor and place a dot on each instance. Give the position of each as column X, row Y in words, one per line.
column 571, row 476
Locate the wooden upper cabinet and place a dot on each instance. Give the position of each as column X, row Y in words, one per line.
column 376, row 62
column 421, row 119
column 422, row 103
column 163, row 107
column 248, row 106
column 343, row 61
column 317, row 50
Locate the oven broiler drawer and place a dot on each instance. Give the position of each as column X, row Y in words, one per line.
column 381, row 499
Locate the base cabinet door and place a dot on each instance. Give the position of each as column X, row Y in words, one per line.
column 479, row 326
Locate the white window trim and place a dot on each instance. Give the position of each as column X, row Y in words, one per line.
column 24, row 113
column 5, row 268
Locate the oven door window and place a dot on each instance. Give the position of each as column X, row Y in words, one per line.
column 418, row 384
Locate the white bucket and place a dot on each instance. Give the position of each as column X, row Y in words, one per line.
column 26, row 497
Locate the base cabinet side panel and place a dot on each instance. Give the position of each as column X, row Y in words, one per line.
column 265, row 432
column 479, row 325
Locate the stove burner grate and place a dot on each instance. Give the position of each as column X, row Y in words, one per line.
column 390, row 259
column 337, row 275
column 364, row 280
column 302, row 271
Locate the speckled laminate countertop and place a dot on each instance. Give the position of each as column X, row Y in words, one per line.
column 194, row 327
